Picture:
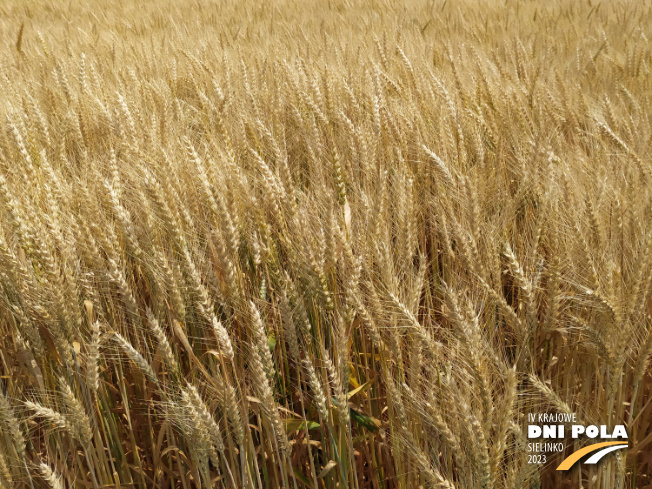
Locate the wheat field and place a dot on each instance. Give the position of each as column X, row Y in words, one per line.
column 308, row 244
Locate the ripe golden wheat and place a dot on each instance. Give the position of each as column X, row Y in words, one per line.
column 322, row 244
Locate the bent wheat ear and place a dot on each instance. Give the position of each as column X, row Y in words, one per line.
column 78, row 418
column 550, row 395
column 338, row 391
column 93, row 357
column 56, row 419
column 262, row 387
column 163, row 343
column 232, row 409
column 223, row 339
column 317, row 391
column 52, row 478
column 260, row 336
column 204, row 416
column 136, row 357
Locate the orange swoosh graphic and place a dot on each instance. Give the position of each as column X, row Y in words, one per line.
column 575, row 456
